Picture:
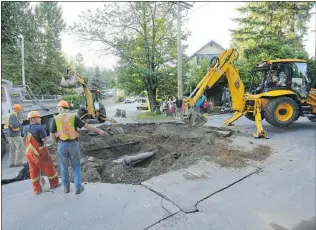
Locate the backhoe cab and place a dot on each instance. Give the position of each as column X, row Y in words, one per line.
column 92, row 108
column 284, row 93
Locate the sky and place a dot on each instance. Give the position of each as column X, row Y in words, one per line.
column 206, row 21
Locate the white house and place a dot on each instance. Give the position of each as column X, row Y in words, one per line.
column 209, row 50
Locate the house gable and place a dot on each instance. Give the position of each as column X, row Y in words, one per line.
column 208, row 51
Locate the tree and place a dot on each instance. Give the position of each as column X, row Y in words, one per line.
column 96, row 80
column 270, row 30
column 17, row 19
column 79, row 64
column 53, row 64
column 44, row 61
column 141, row 34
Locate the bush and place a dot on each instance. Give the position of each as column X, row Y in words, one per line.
column 75, row 99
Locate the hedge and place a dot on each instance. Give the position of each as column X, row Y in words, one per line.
column 75, row 99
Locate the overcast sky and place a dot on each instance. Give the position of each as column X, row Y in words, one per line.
column 207, row 21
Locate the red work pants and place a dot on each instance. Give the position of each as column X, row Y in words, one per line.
column 42, row 162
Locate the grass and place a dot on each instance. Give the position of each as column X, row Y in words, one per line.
column 151, row 116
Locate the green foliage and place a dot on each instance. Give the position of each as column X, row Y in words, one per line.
column 153, row 116
column 44, row 61
column 143, row 36
column 269, row 30
column 311, row 70
column 76, row 99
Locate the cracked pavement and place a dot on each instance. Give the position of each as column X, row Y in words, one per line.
column 278, row 193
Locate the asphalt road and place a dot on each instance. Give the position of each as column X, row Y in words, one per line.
column 276, row 194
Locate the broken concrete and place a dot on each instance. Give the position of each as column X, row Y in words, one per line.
column 181, row 221
column 185, row 188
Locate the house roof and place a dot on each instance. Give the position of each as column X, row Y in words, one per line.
column 209, row 43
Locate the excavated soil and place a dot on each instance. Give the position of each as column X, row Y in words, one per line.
column 175, row 146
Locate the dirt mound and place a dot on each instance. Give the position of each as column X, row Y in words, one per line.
column 174, row 146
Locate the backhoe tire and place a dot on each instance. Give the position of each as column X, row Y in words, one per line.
column 282, row 111
column 102, row 110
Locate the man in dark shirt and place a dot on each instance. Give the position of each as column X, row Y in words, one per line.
column 13, row 127
column 64, row 130
column 178, row 103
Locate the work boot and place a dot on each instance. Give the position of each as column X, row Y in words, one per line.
column 37, row 192
column 66, row 190
column 80, row 190
column 55, row 185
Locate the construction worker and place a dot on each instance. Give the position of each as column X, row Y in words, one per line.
column 64, row 130
column 13, row 126
column 37, row 154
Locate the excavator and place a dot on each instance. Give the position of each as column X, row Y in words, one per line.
column 284, row 94
column 92, row 107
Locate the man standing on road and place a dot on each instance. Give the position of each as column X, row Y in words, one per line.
column 13, row 126
column 37, row 154
column 178, row 108
column 64, row 130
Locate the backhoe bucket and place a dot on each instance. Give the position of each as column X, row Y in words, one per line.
column 195, row 119
column 69, row 80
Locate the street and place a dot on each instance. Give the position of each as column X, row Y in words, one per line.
column 276, row 194
column 130, row 108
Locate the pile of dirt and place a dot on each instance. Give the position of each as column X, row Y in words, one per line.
column 175, row 146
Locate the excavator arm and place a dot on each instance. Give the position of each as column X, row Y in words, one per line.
column 71, row 79
column 225, row 66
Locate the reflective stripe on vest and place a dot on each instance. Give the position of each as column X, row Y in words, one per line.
column 7, row 121
column 29, row 145
column 65, row 124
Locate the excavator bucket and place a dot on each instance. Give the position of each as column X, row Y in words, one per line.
column 195, row 119
column 69, row 80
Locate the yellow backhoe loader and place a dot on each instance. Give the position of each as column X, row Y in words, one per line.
column 284, row 94
column 92, row 107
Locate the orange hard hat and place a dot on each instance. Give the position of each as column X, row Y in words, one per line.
column 33, row 114
column 17, row 107
column 63, row 104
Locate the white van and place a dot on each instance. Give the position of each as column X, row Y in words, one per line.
column 142, row 103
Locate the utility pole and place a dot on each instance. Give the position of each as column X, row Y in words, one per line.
column 22, row 57
column 315, row 33
column 180, row 82
column 179, row 46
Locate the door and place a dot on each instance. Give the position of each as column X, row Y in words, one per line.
column 6, row 104
column 300, row 81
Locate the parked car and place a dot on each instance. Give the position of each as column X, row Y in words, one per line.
column 142, row 103
column 129, row 100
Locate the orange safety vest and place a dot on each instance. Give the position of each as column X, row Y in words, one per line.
column 7, row 121
column 33, row 147
column 65, row 124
